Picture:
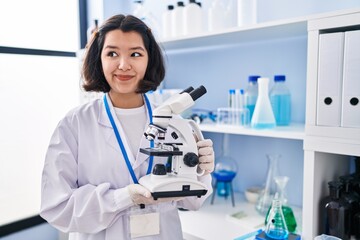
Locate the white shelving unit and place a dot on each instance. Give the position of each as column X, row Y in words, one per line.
column 326, row 150
column 280, row 29
column 294, row 131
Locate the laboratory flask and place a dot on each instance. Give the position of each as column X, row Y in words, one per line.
column 265, row 199
column 276, row 227
column 263, row 117
column 224, row 173
column 281, row 182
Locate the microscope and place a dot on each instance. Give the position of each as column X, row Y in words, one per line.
column 178, row 176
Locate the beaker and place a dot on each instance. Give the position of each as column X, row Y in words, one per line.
column 276, row 227
column 265, row 199
column 289, row 216
column 263, row 117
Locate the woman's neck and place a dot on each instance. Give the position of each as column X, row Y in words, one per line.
column 132, row 100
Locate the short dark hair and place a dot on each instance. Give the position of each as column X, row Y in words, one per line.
column 92, row 72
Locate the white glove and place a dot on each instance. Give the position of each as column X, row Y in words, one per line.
column 140, row 195
column 206, row 155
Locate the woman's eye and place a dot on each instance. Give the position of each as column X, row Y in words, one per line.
column 135, row 54
column 112, row 54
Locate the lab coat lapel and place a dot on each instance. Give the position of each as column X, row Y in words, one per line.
column 111, row 138
column 141, row 157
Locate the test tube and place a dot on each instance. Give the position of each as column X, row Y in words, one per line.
column 231, row 106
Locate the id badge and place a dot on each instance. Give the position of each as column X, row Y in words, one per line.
column 144, row 222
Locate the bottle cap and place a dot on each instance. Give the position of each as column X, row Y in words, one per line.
column 192, row 1
column 279, row 78
column 253, row 78
column 335, row 184
column 180, row 4
column 170, row 7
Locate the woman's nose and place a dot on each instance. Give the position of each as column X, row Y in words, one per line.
column 124, row 64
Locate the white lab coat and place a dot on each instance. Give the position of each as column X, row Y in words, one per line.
column 85, row 177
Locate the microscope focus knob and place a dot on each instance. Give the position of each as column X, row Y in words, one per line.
column 159, row 169
column 191, row 159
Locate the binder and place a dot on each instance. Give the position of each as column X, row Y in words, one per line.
column 330, row 73
column 350, row 114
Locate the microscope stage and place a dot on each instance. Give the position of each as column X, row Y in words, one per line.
column 160, row 152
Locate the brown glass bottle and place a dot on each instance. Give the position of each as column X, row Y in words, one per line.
column 352, row 198
column 356, row 221
column 356, row 218
column 337, row 215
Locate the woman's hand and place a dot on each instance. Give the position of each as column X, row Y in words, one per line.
column 140, row 195
column 206, row 155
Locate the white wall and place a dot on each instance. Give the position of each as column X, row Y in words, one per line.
column 35, row 92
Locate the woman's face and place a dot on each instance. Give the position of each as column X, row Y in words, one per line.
column 124, row 61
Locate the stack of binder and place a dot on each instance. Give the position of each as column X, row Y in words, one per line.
column 338, row 98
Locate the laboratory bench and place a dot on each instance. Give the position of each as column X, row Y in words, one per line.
column 216, row 221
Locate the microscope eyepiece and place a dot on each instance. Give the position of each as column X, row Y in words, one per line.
column 188, row 90
column 198, row 92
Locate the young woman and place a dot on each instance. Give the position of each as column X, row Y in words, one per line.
column 89, row 182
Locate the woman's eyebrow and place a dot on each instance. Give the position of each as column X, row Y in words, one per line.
column 137, row 48
column 111, row 47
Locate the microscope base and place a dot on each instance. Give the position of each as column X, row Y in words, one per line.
column 172, row 186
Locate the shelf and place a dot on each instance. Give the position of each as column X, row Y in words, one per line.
column 295, row 131
column 271, row 30
column 213, row 222
column 236, row 35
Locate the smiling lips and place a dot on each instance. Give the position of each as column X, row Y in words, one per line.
column 124, row 77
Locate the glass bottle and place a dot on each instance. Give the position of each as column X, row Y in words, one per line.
column 289, row 216
column 276, row 227
column 356, row 174
column 247, row 12
column 263, row 117
column 147, row 17
column 280, row 99
column 192, row 18
column 166, row 21
column 264, row 201
column 356, row 187
column 217, row 18
column 356, row 220
column 251, row 94
column 336, row 213
column 352, row 198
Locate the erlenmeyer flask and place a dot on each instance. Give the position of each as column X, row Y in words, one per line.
column 264, row 201
column 263, row 117
column 276, row 227
column 290, row 220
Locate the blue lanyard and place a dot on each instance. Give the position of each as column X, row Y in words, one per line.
column 121, row 144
